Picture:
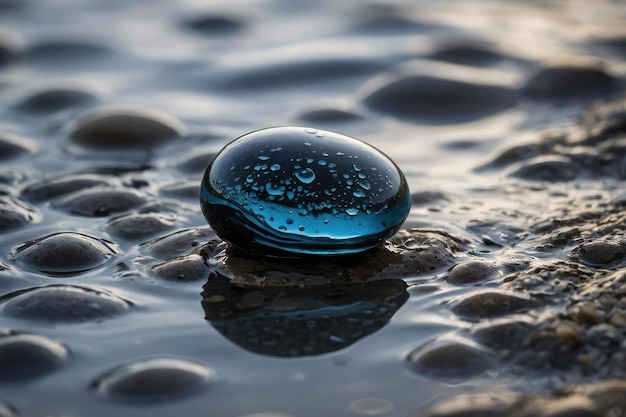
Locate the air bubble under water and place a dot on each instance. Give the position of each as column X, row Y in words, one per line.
column 302, row 190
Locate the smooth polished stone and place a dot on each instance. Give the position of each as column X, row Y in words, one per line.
column 304, row 191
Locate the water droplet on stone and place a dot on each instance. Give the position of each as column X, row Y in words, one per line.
column 367, row 202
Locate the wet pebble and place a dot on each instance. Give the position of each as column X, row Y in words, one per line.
column 28, row 356
column 66, row 52
column 572, row 79
column 601, row 253
column 492, row 303
column 502, row 334
column 450, row 360
column 13, row 147
column 15, row 214
column 302, row 190
column 189, row 190
column 470, row 272
column 154, row 380
column 137, row 226
column 183, row 268
column 64, row 253
column 465, row 52
column 125, row 128
column 100, row 202
column 178, row 243
column 216, row 24
column 320, row 117
column 196, row 162
column 55, row 99
column 58, row 304
column 433, row 100
column 50, row 188
column 547, row 168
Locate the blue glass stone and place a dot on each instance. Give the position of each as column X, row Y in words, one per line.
column 304, row 191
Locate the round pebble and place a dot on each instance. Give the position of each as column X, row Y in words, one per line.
column 301, row 190
column 183, row 268
column 12, row 147
column 492, row 303
column 601, row 253
column 468, row 53
column 196, row 162
column 450, row 360
column 136, row 226
column 189, row 190
column 27, row 356
column 118, row 128
column 48, row 189
column 63, row 254
column 569, row 80
column 55, row 99
column 470, row 272
column 547, row 168
column 432, row 100
column 216, row 24
column 62, row 304
column 15, row 214
column 154, row 380
column 178, row 243
column 503, row 333
column 100, row 202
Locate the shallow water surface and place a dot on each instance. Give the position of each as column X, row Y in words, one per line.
column 116, row 298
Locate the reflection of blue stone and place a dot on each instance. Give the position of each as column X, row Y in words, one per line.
column 303, row 190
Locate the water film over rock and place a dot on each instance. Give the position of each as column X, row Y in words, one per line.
column 302, row 190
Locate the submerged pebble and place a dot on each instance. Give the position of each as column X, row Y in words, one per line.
column 64, row 253
column 154, row 380
column 47, row 189
column 12, row 147
column 62, row 304
column 492, row 303
column 100, row 202
column 15, row 214
column 183, row 268
column 136, row 226
column 55, row 99
column 301, row 190
column 28, row 356
column 450, row 360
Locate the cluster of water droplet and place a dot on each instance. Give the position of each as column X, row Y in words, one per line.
column 303, row 190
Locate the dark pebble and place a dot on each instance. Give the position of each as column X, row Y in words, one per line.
column 183, row 268
column 450, row 360
column 216, row 24
column 549, row 169
column 570, row 81
column 196, row 162
column 154, row 381
column 470, row 272
column 26, row 356
column 422, row 198
column 464, row 52
column 492, row 303
column 12, row 147
column 297, row 72
column 319, row 117
column 502, row 334
column 53, row 100
column 519, row 153
column 11, row 45
column 137, row 226
column 118, row 128
column 178, row 243
column 189, row 190
column 433, row 100
column 15, row 214
column 62, row 304
column 65, row 52
column 601, row 253
column 100, row 202
column 63, row 253
column 47, row 189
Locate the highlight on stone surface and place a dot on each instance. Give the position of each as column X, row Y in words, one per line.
column 302, row 190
